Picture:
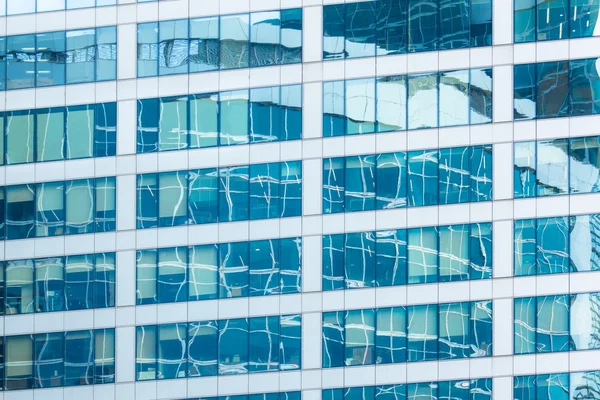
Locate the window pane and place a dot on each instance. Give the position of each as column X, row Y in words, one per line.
column 72, row 4
column 233, row 194
column 20, row 57
column 173, row 123
column 291, row 36
column 104, row 357
column 290, row 200
column 146, row 353
column 454, row 177
column 525, row 325
column 481, row 328
column 333, row 262
column 423, row 177
column 454, row 24
column 422, row 25
column 172, row 279
column 172, row 354
column 290, row 265
column 104, row 280
column 290, row 349
column 481, row 251
column 19, row 287
column 147, row 201
column 584, row 17
column 265, row 114
column 481, row 173
column 49, row 359
column 480, row 95
column 203, row 191
column 584, row 165
column 146, row 276
column 391, row 267
column 391, row 103
column 552, row 332
column 423, row 255
column 454, row 97
column 202, row 348
column 454, row 253
column 454, row 331
column 553, row 245
column 360, row 260
column 106, row 197
column 391, row 181
column 19, row 362
column 525, row 91
column 80, row 131
column 360, row 105
column 360, row 183
column 481, row 23
column 334, row 105
column 455, row 390
column 147, row 125
column 172, row 210
column 50, row 134
column 20, row 145
column 422, row 100
column 265, row 37
column 392, row 18
column 203, row 269
column 51, row 58
column 79, row 292
column 553, row 89
column 79, row 199
column 204, row 112
column 360, row 337
column 524, row 18
column 333, row 185
column 391, row 335
column 106, row 53
column 553, row 20
column 147, row 49
column 334, row 17
column 264, row 267
column 173, row 47
column 422, row 333
column 234, row 41
column 264, row 344
column 582, row 328
column 552, row 167
column 264, row 190
column 233, row 117
column 81, row 55
column 79, row 358
column 584, row 84
column 233, row 270
column 291, row 112
column 233, row 346
column 50, row 211
column 20, row 211
column 584, row 231
column 49, row 284
column 360, row 29
column 333, row 339
column 204, row 44
column 525, row 175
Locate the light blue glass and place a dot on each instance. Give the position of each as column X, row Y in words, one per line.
column 423, row 177
column 481, row 23
column 72, row 4
column 454, row 24
column 583, row 256
column 147, row 125
column 3, row 58
column 360, row 183
column 106, row 53
column 454, row 253
column 291, row 36
column 553, row 386
column 203, row 272
column 50, row 134
column 173, row 133
column 552, row 333
column 334, row 108
column 360, row 29
column 524, row 21
column 105, row 215
column 481, row 389
column 391, row 27
column 455, row 390
column 333, row 339
column 233, row 269
column 423, row 94
column 172, row 283
column 80, row 58
column 234, row 192
column 359, row 393
column 583, row 383
column 480, row 328
column 204, row 120
column 334, row 31
column 290, row 265
column 360, row 260
column 333, row 185
column 234, row 117
column 79, row 206
column 454, row 97
column 525, row 325
column 265, row 115
column 454, row 175
column 19, row 136
column 552, row 167
column 80, row 131
column 234, row 41
column 552, row 241
column 422, row 332
column 79, row 361
column 481, row 173
column 290, row 348
column 391, row 258
column 391, row 178
column 453, row 338
column 291, row 112
column 172, row 192
column 49, row 284
column 424, row 390
column 333, row 262
column 423, row 26
column 264, row 344
column 104, row 356
column 50, row 210
column 20, row 211
column 233, row 346
column 332, row 394
column 49, row 361
column 172, row 351
column 265, row 190
column 525, row 247
column 20, row 60
column 391, row 103
column 583, row 18
column 147, row 201
column 204, row 44
column 391, row 335
column 264, row 267
column 552, row 20
column 146, row 353
column 147, row 56
column 423, row 255
column 203, row 348
column 553, row 88
column 480, row 95
column 203, row 191
column 359, row 337
column 584, row 83
column 173, row 47
column 360, row 105
column 265, row 38
column 51, row 56
column 19, row 287
column 583, row 329
column 525, row 91
column 525, row 173
column 54, row 5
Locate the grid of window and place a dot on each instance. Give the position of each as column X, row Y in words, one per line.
column 407, row 334
column 556, row 167
column 14, row 7
column 218, row 43
column 223, row 347
column 58, row 58
column 555, row 323
column 474, row 389
column 416, row 178
column 553, row 20
column 58, row 208
column 383, row 27
column 226, row 270
column 407, row 256
column 210, row 195
column 220, row 119
column 62, row 283
column 557, row 386
column 255, row 396
column 45, row 360
column 397, row 103
column 557, row 245
column 556, row 89
column 58, row 133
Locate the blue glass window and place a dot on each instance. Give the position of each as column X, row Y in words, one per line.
column 79, row 206
column 234, row 41
column 454, row 253
column 51, row 55
column 290, row 265
column 172, row 123
column 525, row 91
column 334, row 31
column 50, row 210
column 290, row 198
column 172, row 193
column 553, row 89
column 480, row 251
column 552, row 20
column 172, row 274
column 147, row 201
column 106, row 53
column 422, row 332
column 265, row 38
column 454, row 97
column 454, row 24
column 147, row 129
column 391, row 258
column 481, row 23
column 552, row 167
column 79, row 361
column 234, row 188
column 105, row 216
column 391, row 177
column 360, row 105
column 334, row 108
column 584, row 165
column 203, row 270
column 423, row 99
column 422, row 255
column 264, row 344
column 49, row 284
column 172, row 351
column 552, row 245
column 360, row 183
column 583, row 18
column 204, row 120
column 19, row 139
column 360, row 337
column 360, row 29
column 333, row 262
column 265, row 183
column 233, row 113
column 333, row 185
column 525, row 174
column 481, row 173
column 49, row 359
column 391, row 28
column 80, row 60
column 202, row 348
column 173, row 47
column 290, row 347
column 20, row 61
column 391, row 336
column 454, row 175
column 19, row 287
column 454, row 331
column 480, row 96
column 19, row 355
column 265, row 115
column 423, row 177
column 50, row 134
column 524, row 21
column 80, row 131
column 203, row 191
column 233, row 346
column 233, row 270
column 264, row 267
column 333, row 339
column 20, row 211
column 146, row 353
column 584, row 83
column 391, row 103
column 422, row 26
column 204, row 44
column 291, row 36
column 360, row 260
column 147, row 49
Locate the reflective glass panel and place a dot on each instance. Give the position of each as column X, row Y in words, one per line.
column 265, row 38
column 480, row 95
column 20, row 211
column 422, row 25
column 454, row 331
column 78, row 275
column 422, row 98
column 552, row 167
column 202, row 348
column 264, row 267
column 454, row 253
column 290, row 348
column 81, row 56
column 422, row 332
column 360, row 105
column 391, row 28
column 552, row 332
column 106, row 204
column 333, row 185
column 333, row 262
column 172, row 351
column 50, row 210
column 51, row 57
column 525, row 174
column 173, row 47
column 19, row 356
column 264, row 344
column 204, row 120
column 79, row 358
column 204, row 44
column 203, row 270
column 290, row 199
column 524, row 20
column 19, row 139
column 422, row 255
column 584, row 86
column 454, row 24
column 454, row 176
column 265, row 114
column 391, row 181
column 360, row 29
column 391, row 261
column 391, row 337
column 525, row 325
column 146, row 353
column 525, row 91
column 291, row 36
column 50, row 134
column 290, row 276
column 552, row 20
column 79, row 206
column 334, row 105
column 233, row 270
column 334, row 26
column 333, row 339
column 233, row 346
column 423, row 177
column 80, row 131
column 360, row 183
column 481, row 251
column 553, row 88
column 172, row 194
column 146, row 276
column 106, row 53
column 454, row 97
column 19, row 287
column 147, row 201
column 234, row 119
column 49, row 359
column 234, row 193
column 234, row 43
column 584, row 165
column 49, row 284
column 360, row 260
column 552, row 245
column 265, row 187
column 20, row 57
column 172, row 274
column 173, row 123
column 203, row 192
column 391, row 103
column 147, row 49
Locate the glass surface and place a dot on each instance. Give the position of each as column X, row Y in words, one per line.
column 422, row 99
column 204, row 120
column 391, row 258
column 552, row 167
column 19, row 136
column 146, row 353
column 147, row 125
column 50, row 134
column 204, row 44
column 360, row 29
column 81, row 54
column 106, row 53
column 454, row 24
column 172, row 275
column 454, row 253
column 360, row 337
column 19, row 287
column 481, row 23
column 334, row 106
column 79, row 361
column 49, row 284
column 524, row 21
column 233, row 346
column 583, row 18
column 333, row 262
column 265, row 38
column 290, row 348
column 203, row 269
column 525, row 90
column 265, row 192
column 552, row 332
column 291, row 36
column 391, row 179
column 202, row 348
column 290, row 199
column 360, row 105
column 454, row 97
column 480, row 95
column 291, row 112
column 233, row 269
column 423, row 177
column 454, row 176
column 203, row 191
column 290, row 266
column 584, row 83
column 264, row 267
column 20, row 211
column 233, row 117
column 583, row 256
column 333, row 339
column 453, row 339
column 391, row 103
column 553, row 88
column 147, row 49
column 333, row 185
column 234, row 41
column 20, row 55
column 422, row 255
column 147, row 201
column 582, row 327
column 78, row 286
column 525, row 325
column 79, row 206
column 359, row 260
column 391, row 27
column 552, row 244
column 51, row 58
column 265, row 115
column 172, row 193
column 146, row 276
column 49, row 360
column 391, row 335
column 552, row 20
column 50, row 210
column 234, row 188
column 481, row 173
column 173, row 47
column 264, row 344
column 525, row 173
column 106, row 205
column 422, row 332
column 422, row 25
column 525, row 247
column 334, row 31
column 172, row 351
column 19, row 356
column 360, row 183
column 80, row 122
